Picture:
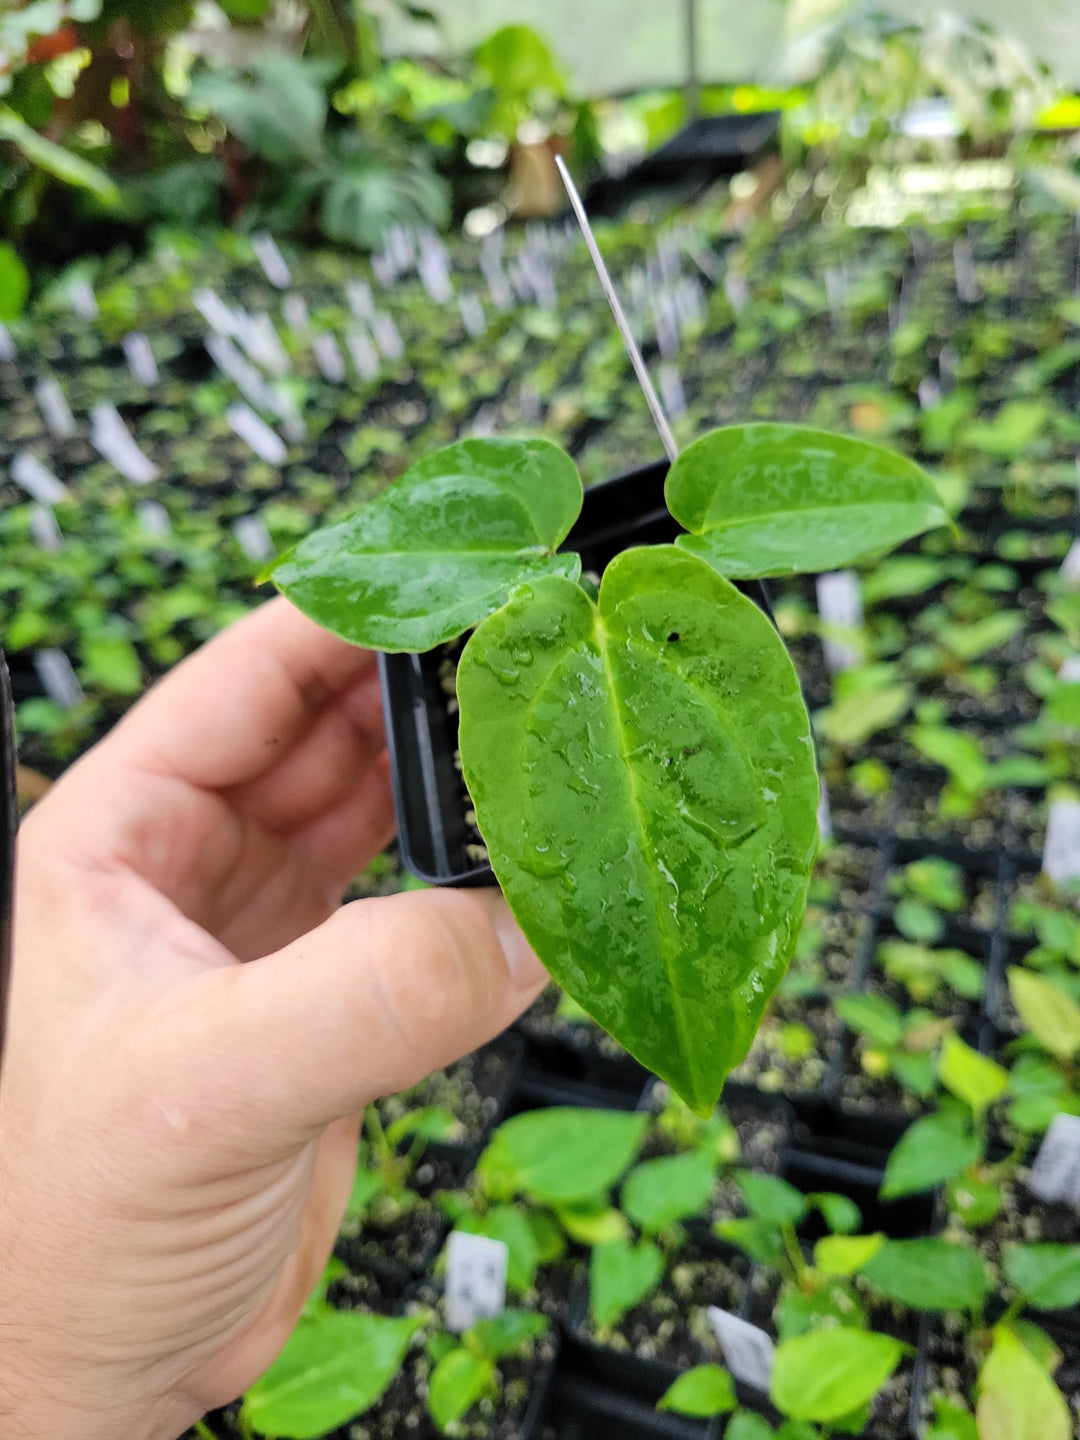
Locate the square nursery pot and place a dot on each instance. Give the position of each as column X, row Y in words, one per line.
column 438, row 843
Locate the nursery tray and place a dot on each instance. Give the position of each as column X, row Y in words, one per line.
column 429, row 796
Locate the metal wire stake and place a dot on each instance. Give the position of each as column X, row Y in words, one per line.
column 651, row 398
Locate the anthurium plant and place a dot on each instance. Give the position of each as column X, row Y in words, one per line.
column 640, row 759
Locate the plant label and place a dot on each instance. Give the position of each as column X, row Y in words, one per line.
column 266, row 443
column 364, row 355
column 968, row 289
column 240, row 371
column 294, row 309
column 273, row 263
column 1055, row 1176
column 737, row 290
column 672, row 394
column 824, row 813
column 472, row 314
column 435, row 278
column 37, row 479
column 485, row 423
column 140, row 358
column 840, row 603
column 666, row 325
column 44, row 529
column 358, row 294
column 1061, row 853
column 257, row 335
column 748, row 1351
column 253, row 537
column 83, row 300
column 475, row 1279
column 7, row 345
column 112, row 439
column 1070, row 566
column 55, row 410
column 929, row 392
column 154, row 518
column 1069, row 670
column 59, row 680
column 328, row 357
column 387, row 337
column 214, row 311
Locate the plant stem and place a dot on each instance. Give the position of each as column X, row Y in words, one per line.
column 794, row 1252
column 377, row 1136
column 1013, row 1310
column 1004, row 1168
column 203, row 1430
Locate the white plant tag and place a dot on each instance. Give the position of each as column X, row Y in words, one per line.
column 266, row 443
column 1069, row 669
column 929, row 393
column 253, row 537
column 140, row 358
column 59, row 680
column 37, row 479
column 840, row 603
column 737, row 290
column 294, row 309
column 7, row 345
column 968, row 289
column 387, row 337
column 44, row 529
column 358, row 294
column 83, row 300
column 475, row 1279
column 271, row 259
column 214, row 311
column 328, row 357
column 1055, row 1176
column 1061, row 853
column 748, row 1351
column 55, row 410
column 240, row 371
column 472, row 313
column 485, row 423
column 364, row 355
column 257, row 335
column 824, row 813
column 154, row 518
column 1070, row 566
column 111, row 438
column 672, row 394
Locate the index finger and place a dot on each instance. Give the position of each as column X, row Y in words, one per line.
column 235, row 707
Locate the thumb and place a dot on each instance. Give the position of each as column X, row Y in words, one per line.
column 370, row 1002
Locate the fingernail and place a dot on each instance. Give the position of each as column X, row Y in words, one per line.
column 525, row 969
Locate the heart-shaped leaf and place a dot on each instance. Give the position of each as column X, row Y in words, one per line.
column 643, row 776
column 825, row 1374
column 621, row 1274
column 440, row 548
column 769, row 499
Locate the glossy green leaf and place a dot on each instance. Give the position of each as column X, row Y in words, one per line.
column 456, row 1384
column 674, row 1187
column 1052, row 1016
column 825, row 1374
column 1017, row 1398
column 1048, row 1276
column 768, row 499
column 334, row 1366
column 441, row 548
column 930, row 1151
column 770, row 1198
column 560, row 1154
column 841, row 1214
column 971, row 1077
column 929, row 1275
column 745, row 1425
column 509, row 1333
column 644, row 778
column 704, row 1391
column 621, row 1274
column 845, row 1254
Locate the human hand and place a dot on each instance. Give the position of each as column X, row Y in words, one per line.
column 178, row 1130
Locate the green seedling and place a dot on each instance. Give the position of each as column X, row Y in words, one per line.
column 895, row 1042
column 388, row 1158
column 466, row 1366
column 640, row 765
column 925, row 972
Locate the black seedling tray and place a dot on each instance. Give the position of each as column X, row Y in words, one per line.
column 429, row 795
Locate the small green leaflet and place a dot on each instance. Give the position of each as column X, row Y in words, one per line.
column 643, row 775
column 929, row 1275
column 671, row 1188
column 935, row 1148
column 441, row 548
column 1017, row 1398
column 826, row 1374
column 1048, row 1276
column 560, row 1154
column 457, row 1382
column 768, row 499
column 334, row 1366
column 621, row 1274
column 704, row 1391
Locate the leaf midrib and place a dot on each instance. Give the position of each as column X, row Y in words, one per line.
column 602, row 636
column 792, row 510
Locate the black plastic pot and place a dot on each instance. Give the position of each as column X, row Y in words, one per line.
column 429, row 796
